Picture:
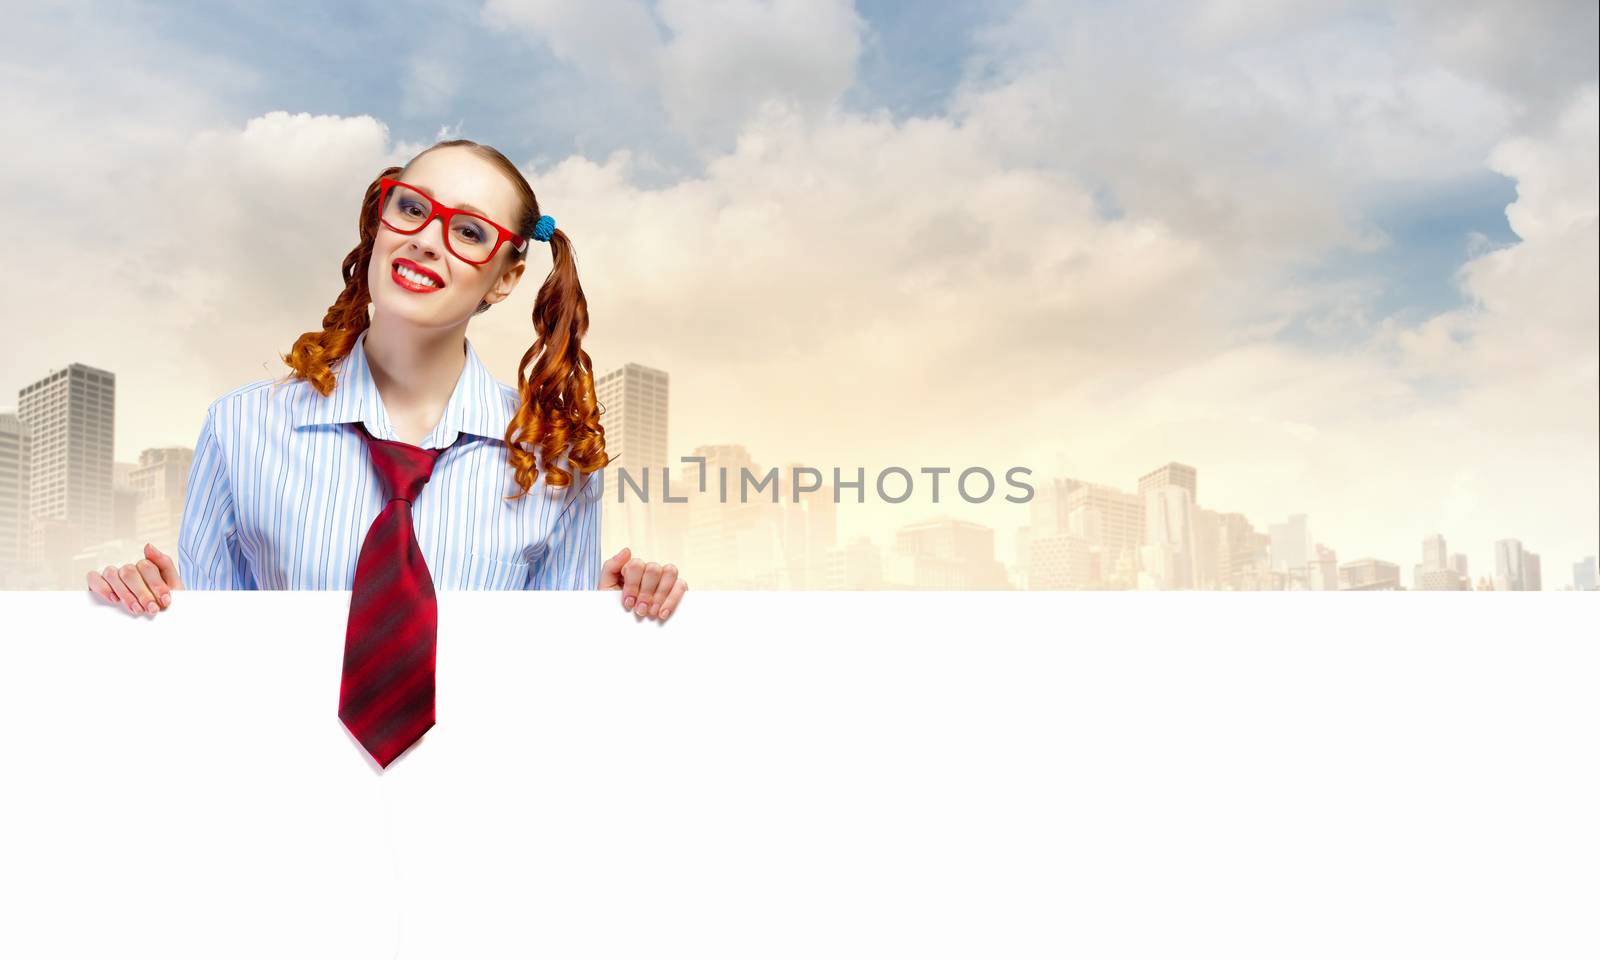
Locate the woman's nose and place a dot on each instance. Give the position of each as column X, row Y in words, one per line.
column 430, row 239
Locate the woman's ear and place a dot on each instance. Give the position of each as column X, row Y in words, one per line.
column 508, row 282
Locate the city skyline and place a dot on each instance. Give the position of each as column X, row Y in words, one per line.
column 68, row 503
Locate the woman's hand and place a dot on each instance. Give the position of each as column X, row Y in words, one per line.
column 143, row 587
column 651, row 590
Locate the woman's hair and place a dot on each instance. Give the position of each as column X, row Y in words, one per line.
column 559, row 408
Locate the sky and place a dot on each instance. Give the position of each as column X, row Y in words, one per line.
column 1340, row 257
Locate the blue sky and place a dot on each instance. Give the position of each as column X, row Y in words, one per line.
column 1431, row 235
column 349, row 58
column 352, row 58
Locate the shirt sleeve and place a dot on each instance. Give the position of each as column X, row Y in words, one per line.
column 572, row 561
column 209, row 557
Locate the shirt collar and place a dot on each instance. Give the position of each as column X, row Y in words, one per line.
column 479, row 405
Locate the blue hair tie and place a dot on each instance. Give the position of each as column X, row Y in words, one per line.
column 545, row 228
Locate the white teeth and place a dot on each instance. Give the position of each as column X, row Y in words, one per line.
column 415, row 277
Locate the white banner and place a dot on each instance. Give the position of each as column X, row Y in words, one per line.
column 813, row 775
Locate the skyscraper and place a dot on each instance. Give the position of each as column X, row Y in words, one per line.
column 15, row 443
column 633, row 410
column 1207, row 528
column 809, row 524
column 1438, row 570
column 1167, row 555
column 1242, row 553
column 1047, row 511
column 733, row 538
column 1532, row 579
column 1433, row 553
column 1322, row 573
column 72, row 415
column 945, row 554
column 1508, row 559
column 1065, row 561
column 857, row 565
column 161, row 479
column 1369, row 574
column 1291, row 543
column 1117, row 526
column 1171, row 475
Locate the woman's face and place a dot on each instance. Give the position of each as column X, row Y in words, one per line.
column 459, row 178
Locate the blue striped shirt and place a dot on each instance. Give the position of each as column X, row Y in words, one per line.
column 282, row 492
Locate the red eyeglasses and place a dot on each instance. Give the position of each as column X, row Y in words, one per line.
column 472, row 237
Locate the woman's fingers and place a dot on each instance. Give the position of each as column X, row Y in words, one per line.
column 660, row 591
column 167, row 568
column 124, row 592
column 133, row 574
column 101, row 587
column 650, row 576
column 611, row 570
column 663, row 589
column 632, row 573
column 673, row 599
column 160, row 589
column 142, row 587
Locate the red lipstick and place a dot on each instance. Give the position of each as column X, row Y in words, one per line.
column 412, row 285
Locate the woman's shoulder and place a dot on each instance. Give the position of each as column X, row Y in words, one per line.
column 256, row 396
column 260, row 405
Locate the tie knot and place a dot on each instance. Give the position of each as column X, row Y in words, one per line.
column 404, row 469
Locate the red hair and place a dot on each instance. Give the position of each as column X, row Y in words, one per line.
column 559, row 408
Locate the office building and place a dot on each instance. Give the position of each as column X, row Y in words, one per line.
column 71, row 413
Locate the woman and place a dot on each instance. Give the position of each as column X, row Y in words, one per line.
column 282, row 491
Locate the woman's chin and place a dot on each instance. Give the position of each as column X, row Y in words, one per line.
column 412, row 310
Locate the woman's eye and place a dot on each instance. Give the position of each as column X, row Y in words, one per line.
column 410, row 207
column 472, row 235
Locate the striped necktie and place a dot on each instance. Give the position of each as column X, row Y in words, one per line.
column 386, row 693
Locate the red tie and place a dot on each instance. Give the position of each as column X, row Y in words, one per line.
column 386, row 694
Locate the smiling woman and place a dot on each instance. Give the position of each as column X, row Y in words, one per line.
column 390, row 463
column 291, row 476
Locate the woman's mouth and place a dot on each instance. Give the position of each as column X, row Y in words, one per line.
column 414, row 277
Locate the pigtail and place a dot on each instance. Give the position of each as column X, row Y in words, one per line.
column 314, row 353
column 559, row 412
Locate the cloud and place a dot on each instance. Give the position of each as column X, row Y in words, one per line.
column 1269, row 127
column 1530, row 317
column 708, row 66
column 847, row 289
column 861, row 266
column 726, row 59
column 1481, row 422
column 200, row 258
column 1535, row 53
column 616, row 42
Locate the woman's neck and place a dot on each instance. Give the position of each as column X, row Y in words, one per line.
column 416, row 374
